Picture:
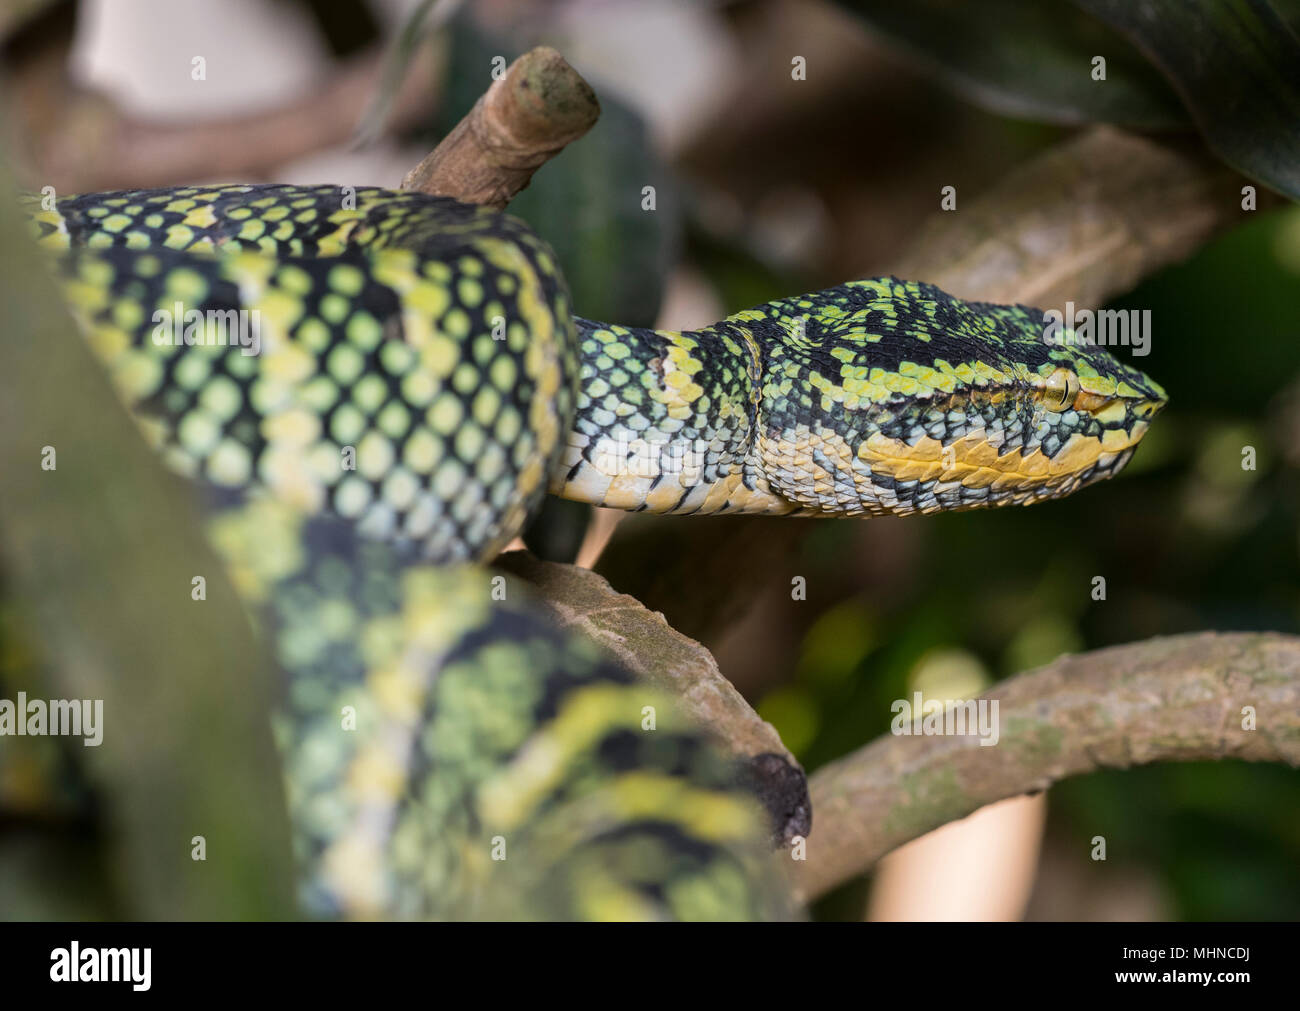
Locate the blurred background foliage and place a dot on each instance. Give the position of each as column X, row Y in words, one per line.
column 766, row 186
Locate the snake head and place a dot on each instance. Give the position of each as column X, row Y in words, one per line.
column 888, row 396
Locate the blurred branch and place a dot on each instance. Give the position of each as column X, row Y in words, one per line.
column 1084, row 221
column 649, row 647
column 1168, row 699
column 77, row 140
column 524, row 119
column 98, row 553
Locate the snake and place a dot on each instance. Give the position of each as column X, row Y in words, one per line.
column 374, row 389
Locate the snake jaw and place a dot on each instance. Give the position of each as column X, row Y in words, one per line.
column 1005, row 448
column 900, row 399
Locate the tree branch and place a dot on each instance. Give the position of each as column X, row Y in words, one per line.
column 524, row 119
column 650, row 648
column 1168, row 699
column 1084, row 221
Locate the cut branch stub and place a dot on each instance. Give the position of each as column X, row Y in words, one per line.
column 524, row 119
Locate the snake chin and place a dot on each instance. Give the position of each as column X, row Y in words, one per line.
column 961, row 452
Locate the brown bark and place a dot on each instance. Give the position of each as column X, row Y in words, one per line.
column 523, row 120
column 1084, row 221
column 649, row 647
column 1169, row 699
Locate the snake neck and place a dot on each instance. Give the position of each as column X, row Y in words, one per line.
column 667, row 422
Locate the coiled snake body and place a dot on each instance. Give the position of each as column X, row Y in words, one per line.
column 411, row 381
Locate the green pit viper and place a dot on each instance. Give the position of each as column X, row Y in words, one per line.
column 411, row 383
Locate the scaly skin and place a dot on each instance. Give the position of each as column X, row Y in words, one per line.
column 498, row 769
column 454, row 431
column 419, row 384
column 880, row 396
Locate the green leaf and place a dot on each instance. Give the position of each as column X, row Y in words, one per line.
column 1236, row 66
column 1028, row 58
column 588, row 205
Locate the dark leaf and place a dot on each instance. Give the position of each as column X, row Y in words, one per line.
column 587, row 201
column 1236, row 65
column 1028, row 58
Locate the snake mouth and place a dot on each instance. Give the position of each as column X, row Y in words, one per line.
column 1056, row 452
column 975, row 462
column 969, row 450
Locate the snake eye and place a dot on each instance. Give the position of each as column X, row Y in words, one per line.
column 1061, row 388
